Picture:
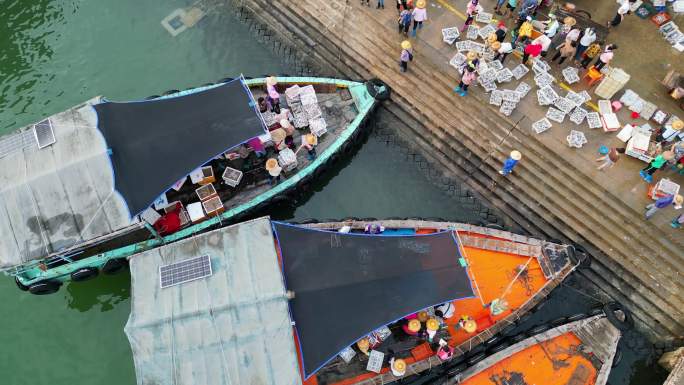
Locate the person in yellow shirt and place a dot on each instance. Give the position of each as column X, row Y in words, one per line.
column 590, row 53
column 525, row 30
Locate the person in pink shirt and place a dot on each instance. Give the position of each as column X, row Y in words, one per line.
column 606, row 56
column 273, row 96
column 469, row 76
column 471, row 11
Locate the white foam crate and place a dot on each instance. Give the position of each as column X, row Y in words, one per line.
column 576, row 139
column 523, row 89
column 519, row 71
column 472, row 33
column 578, row 115
column 504, row 75
column 496, row 97
column 571, row 75
column 594, row 120
column 541, row 125
column 564, row 105
column 555, row 114
column 486, row 30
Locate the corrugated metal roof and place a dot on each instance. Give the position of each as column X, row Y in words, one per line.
column 60, row 195
column 232, row 327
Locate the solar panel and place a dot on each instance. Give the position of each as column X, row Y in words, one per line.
column 184, row 271
column 45, row 136
column 16, row 142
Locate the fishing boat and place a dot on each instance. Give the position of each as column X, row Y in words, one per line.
column 333, row 303
column 88, row 187
column 579, row 353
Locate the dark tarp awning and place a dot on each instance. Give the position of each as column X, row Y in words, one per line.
column 347, row 285
column 157, row 142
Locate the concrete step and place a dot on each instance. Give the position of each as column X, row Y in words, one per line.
column 353, row 35
column 444, row 138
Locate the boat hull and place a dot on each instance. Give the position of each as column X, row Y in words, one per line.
column 57, row 269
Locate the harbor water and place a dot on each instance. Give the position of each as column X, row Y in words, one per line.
column 57, row 53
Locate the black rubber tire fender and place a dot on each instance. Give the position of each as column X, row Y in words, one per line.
column 596, row 311
column 20, row 285
column 348, row 219
column 476, row 358
column 169, row 92
column 113, row 266
column 559, row 321
column 497, row 348
column 611, row 308
column 45, row 287
column 518, row 338
column 617, row 358
column 152, row 97
column 493, row 341
column 476, row 350
column 523, row 318
column 226, row 80
column 372, row 87
column 84, row 274
column 577, row 317
column 369, row 219
column 538, row 329
column 459, row 368
column 494, row 226
column 508, row 329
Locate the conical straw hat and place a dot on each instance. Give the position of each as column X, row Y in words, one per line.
column 414, row 325
column 271, row 81
column 516, row 155
column 421, row 4
column 422, row 316
column 406, row 44
column 271, row 163
column 399, row 365
column 363, row 344
column 432, row 324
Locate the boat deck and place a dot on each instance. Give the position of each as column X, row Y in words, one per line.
column 232, row 327
column 491, row 267
column 578, row 353
column 338, row 110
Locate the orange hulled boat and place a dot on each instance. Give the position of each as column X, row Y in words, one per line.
column 375, row 301
column 578, row 353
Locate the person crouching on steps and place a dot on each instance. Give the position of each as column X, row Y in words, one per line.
column 510, row 162
column 468, row 77
column 406, row 55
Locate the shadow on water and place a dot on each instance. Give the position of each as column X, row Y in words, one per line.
column 100, row 294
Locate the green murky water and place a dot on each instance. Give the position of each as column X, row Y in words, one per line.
column 57, row 53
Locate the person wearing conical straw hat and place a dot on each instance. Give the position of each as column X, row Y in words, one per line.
column 406, row 55
column 656, row 164
column 363, row 344
column 419, row 14
column 471, row 11
column 504, row 50
column 510, row 162
column 273, row 95
column 671, row 132
column 661, row 203
column 469, row 76
column 411, row 326
column 398, row 366
column 309, row 141
column 274, row 170
column 431, row 325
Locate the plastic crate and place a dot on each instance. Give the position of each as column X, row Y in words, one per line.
column 613, row 82
column 205, row 192
column 318, row 127
column 213, row 206
column 231, row 176
column 287, row 160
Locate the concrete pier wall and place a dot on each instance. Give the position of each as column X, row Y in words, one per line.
column 634, row 263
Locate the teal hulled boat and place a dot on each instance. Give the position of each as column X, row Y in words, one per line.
column 86, row 188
